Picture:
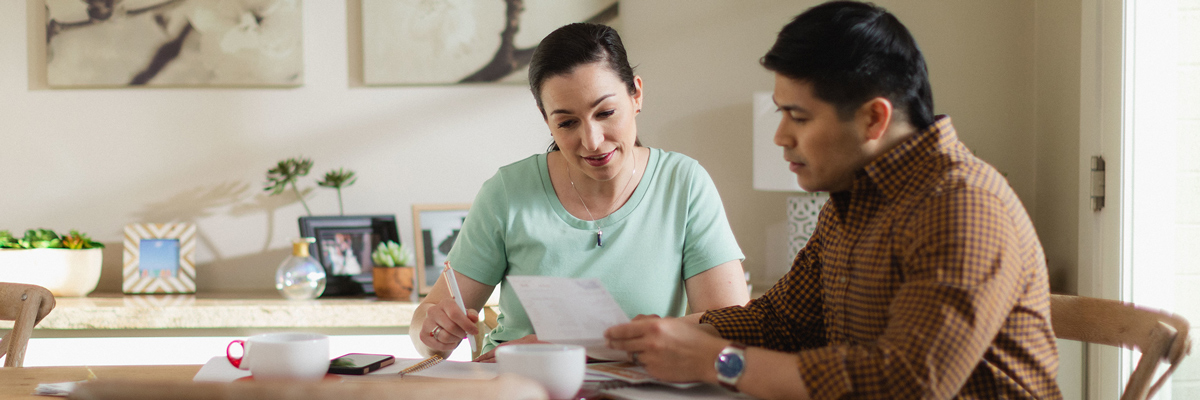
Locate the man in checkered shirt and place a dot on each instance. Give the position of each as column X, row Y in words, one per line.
column 924, row 278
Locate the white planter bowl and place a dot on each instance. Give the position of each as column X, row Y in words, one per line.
column 66, row 273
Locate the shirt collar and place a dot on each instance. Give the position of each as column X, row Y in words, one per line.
column 903, row 167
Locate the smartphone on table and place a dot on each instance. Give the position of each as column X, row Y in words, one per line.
column 359, row 363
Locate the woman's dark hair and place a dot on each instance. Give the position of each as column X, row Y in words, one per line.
column 571, row 46
column 851, row 52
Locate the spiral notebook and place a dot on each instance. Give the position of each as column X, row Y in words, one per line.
column 436, row 367
column 422, row 365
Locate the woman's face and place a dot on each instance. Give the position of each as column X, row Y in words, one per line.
column 591, row 117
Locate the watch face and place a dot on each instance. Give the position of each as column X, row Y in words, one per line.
column 729, row 365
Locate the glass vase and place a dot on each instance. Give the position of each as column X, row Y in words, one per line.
column 300, row 276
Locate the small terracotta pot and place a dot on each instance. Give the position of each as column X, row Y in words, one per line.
column 393, row 283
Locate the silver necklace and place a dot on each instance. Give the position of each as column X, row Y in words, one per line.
column 599, row 231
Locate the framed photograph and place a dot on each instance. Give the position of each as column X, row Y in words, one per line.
column 344, row 245
column 435, row 227
column 159, row 258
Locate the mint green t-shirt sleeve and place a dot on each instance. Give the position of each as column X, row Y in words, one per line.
column 709, row 240
column 479, row 251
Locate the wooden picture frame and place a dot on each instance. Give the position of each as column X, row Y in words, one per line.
column 435, row 227
column 159, row 258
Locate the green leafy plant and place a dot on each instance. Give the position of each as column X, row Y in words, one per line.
column 287, row 172
column 47, row 239
column 392, row 254
column 338, row 179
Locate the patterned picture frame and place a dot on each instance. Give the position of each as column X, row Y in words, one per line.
column 159, row 258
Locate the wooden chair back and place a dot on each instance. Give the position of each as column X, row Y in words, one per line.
column 25, row 305
column 1159, row 335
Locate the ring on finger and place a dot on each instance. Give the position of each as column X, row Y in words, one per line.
column 434, row 332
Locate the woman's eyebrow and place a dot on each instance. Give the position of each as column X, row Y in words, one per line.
column 594, row 103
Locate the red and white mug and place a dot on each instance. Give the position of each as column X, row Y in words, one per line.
column 282, row 356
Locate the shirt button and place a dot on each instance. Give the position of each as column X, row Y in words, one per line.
column 841, row 279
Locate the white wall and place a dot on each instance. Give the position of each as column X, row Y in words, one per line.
column 105, row 158
column 96, row 160
column 699, row 61
column 99, row 159
column 1186, row 382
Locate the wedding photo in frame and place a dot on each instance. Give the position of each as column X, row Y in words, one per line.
column 435, row 227
column 159, row 258
column 343, row 247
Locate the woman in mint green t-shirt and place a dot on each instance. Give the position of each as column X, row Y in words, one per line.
column 648, row 223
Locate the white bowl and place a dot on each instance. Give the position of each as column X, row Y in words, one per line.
column 65, row 272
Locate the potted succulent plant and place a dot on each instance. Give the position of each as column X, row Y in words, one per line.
column 393, row 272
column 67, row 265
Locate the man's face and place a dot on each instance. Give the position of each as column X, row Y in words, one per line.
column 823, row 151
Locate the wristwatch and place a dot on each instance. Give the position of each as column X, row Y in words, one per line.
column 730, row 364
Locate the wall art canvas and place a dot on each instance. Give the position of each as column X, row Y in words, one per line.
column 173, row 43
column 424, row 42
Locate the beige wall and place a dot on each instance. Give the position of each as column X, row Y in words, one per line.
column 110, row 157
column 699, row 60
column 1057, row 145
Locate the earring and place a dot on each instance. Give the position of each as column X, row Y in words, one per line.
column 639, row 111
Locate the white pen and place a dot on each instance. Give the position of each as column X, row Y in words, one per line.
column 453, row 283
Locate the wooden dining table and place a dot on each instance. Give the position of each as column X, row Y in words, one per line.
column 19, row 383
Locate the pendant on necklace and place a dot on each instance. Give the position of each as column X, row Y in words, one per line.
column 599, row 238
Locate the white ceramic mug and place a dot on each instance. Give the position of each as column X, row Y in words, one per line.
column 558, row 367
column 283, row 356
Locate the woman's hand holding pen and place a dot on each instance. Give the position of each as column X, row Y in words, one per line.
column 446, row 325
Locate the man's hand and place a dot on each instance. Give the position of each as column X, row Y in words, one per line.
column 490, row 356
column 670, row 349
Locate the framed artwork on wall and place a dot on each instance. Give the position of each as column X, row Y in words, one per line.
column 159, row 258
column 343, row 247
column 435, row 228
column 173, row 43
column 418, row 42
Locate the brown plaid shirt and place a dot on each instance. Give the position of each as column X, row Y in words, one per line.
column 925, row 280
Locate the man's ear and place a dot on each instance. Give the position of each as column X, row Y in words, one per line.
column 874, row 117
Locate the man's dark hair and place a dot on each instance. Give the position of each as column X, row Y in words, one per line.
column 571, row 46
column 851, row 52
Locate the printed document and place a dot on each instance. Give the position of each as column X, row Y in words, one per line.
column 570, row 311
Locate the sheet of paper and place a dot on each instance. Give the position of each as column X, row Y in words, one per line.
column 632, row 373
column 570, row 311
column 218, row 369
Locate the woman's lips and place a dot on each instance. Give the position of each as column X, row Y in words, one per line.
column 600, row 160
